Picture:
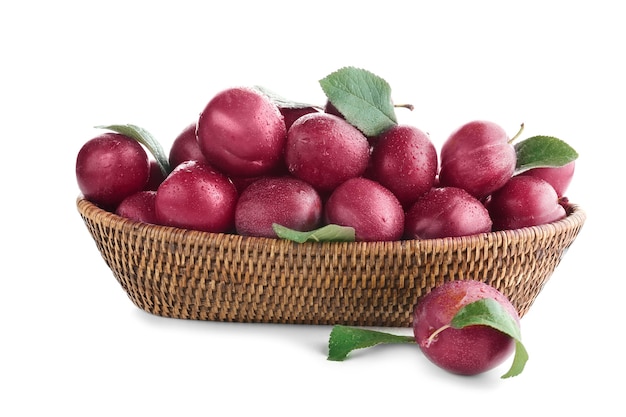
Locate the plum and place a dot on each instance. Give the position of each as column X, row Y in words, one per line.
column 558, row 177
column 110, row 167
column 404, row 160
column 445, row 212
column 287, row 201
column 371, row 209
column 291, row 114
column 325, row 150
column 469, row 350
column 139, row 207
column 524, row 201
column 156, row 176
column 477, row 157
column 196, row 196
column 185, row 147
column 241, row 132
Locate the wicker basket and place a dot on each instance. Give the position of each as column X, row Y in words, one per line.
column 222, row 277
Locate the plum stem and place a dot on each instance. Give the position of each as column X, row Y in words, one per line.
column 517, row 135
column 434, row 334
column 406, row 106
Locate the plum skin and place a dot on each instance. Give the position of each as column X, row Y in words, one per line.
column 524, row 201
column 325, row 150
column 185, row 147
column 241, row 132
column 139, row 207
column 287, row 201
column 111, row 167
column 405, row 161
column 478, row 158
column 558, row 177
column 371, row 209
column 467, row 351
column 198, row 197
column 446, row 212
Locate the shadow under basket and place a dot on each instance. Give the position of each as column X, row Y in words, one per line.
column 196, row 275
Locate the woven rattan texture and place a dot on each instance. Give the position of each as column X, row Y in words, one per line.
column 222, row 277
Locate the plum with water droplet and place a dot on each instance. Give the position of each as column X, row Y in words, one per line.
column 285, row 200
column 110, row 167
column 186, row 147
column 325, row 151
column 522, row 202
column 469, row 350
column 446, row 212
column 241, row 132
column 478, row 157
column 196, row 196
column 371, row 209
column 558, row 177
column 404, row 160
column 139, row 207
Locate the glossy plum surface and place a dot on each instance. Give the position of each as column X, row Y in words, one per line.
column 558, row 177
column 325, row 150
column 371, row 209
column 405, row 161
column 110, row 167
column 185, row 147
column 524, row 201
column 287, row 201
column 139, row 207
column 445, row 212
column 241, row 132
column 477, row 158
column 196, row 196
column 467, row 351
column 291, row 114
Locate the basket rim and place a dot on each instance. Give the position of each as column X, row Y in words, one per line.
column 575, row 218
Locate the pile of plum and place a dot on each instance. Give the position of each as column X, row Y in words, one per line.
column 248, row 162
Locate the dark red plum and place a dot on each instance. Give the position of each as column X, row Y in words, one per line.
column 185, row 147
column 110, row 167
column 325, row 150
column 558, row 177
column 156, row 176
column 446, row 212
column 139, row 207
column 404, row 160
column 196, row 196
column 287, row 201
column 371, row 209
column 478, row 158
column 467, row 351
column 291, row 114
column 524, row 201
column 241, row 132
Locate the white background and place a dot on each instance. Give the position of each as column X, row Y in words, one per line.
column 73, row 344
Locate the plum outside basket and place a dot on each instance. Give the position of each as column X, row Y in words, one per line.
column 189, row 274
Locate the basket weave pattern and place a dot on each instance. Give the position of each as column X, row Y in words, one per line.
column 225, row 277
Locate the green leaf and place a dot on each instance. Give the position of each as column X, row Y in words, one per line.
column 283, row 102
column 542, row 151
column 363, row 98
column 328, row 233
column 489, row 312
column 145, row 138
column 344, row 339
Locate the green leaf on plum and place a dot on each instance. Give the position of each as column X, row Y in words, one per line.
column 283, row 102
column 344, row 339
column 489, row 312
column 542, row 152
column 328, row 233
column 144, row 137
column 364, row 99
